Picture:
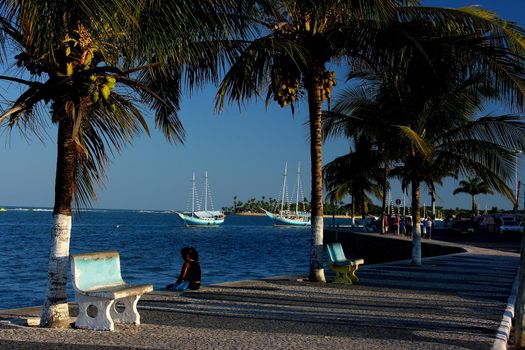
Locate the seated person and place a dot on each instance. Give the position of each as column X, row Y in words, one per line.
column 190, row 273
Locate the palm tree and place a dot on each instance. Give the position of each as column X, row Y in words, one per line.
column 92, row 65
column 356, row 174
column 289, row 59
column 459, row 144
column 357, row 116
column 428, row 92
column 473, row 186
column 234, row 204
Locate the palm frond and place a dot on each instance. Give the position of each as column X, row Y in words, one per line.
column 249, row 75
column 161, row 90
column 420, row 144
column 506, row 131
column 103, row 135
column 469, row 20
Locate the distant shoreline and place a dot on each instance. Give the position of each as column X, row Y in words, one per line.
column 248, row 214
column 263, row 214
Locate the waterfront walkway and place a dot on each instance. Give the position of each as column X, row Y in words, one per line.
column 451, row 302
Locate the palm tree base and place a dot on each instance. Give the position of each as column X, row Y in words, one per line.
column 56, row 316
column 317, row 276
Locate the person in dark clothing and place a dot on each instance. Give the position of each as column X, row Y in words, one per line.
column 190, row 273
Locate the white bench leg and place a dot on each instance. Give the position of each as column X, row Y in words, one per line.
column 101, row 321
column 130, row 313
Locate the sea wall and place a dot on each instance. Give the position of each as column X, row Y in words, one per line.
column 374, row 248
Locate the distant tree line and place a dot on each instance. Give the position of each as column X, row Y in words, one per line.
column 254, row 205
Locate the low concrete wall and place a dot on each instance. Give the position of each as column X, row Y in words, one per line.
column 374, row 248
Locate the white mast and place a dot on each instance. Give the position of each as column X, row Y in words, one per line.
column 298, row 186
column 284, row 186
column 193, row 194
column 206, row 191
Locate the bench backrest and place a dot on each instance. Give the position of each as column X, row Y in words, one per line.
column 335, row 252
column 95, row 270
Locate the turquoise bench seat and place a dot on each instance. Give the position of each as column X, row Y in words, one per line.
column 343, row 268
column 102, row 295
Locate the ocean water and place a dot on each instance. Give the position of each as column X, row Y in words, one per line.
column 149, row 243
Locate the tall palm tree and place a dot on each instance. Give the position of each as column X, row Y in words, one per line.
column 444, row 133
column 469, row 146
column 473, row 186
column 289, row 59
column 357, row 174
column 427, row 92
column 359, row 117
column 90, row 66
column 234, row 204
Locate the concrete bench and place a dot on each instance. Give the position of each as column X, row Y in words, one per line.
column 103, row 297
column 343, row 268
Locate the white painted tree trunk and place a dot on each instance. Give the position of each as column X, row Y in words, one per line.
column 55, row 311
column 316, row 255
column 416, row 223
column 416, row 243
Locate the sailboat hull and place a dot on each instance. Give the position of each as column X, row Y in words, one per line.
column 190, row 220
column 279, row 220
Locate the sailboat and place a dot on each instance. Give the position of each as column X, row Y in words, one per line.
column 287, row 217
column 201, row 217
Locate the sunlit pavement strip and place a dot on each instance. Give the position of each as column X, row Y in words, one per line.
column 451, row 302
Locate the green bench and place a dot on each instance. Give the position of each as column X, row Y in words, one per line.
column 343, row 268
column 102, row 295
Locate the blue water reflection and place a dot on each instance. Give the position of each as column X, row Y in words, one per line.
column 149, row 243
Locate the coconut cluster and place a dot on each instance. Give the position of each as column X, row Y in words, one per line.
column 328, row 81
column 287, row 92
column 102, row 87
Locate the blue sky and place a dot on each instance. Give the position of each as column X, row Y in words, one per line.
column 244, row 152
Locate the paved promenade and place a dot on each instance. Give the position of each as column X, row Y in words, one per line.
column 451, row 302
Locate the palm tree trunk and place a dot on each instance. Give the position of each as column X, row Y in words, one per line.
column 55, row 312
column 383, row 202
column 473, row 202
column 353, row 210
column 363, row 209
column 316, row 157
column 416, row 227
column 433, row 199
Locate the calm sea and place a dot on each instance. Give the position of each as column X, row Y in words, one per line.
column 149, row 243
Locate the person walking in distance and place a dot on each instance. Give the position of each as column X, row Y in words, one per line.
column 429, row 224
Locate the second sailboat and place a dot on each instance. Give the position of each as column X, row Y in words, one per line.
column 287, row 217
